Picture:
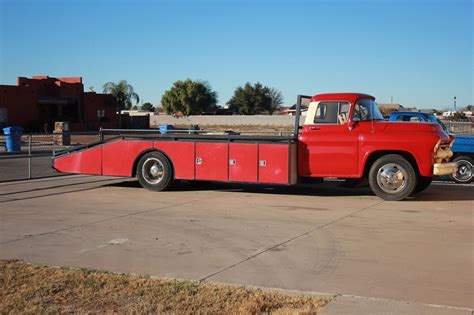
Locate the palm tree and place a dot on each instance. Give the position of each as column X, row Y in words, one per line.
column 123, row 92
column 277, row 99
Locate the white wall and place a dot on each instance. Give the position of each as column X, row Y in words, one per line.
column 203, row 120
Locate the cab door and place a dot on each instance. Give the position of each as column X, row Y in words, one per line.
column 327, row 147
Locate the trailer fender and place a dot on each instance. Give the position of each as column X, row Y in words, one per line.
column 141, row 154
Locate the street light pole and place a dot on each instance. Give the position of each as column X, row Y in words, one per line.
column 455, row 104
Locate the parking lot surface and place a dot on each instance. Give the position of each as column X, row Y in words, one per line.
column 392, row 257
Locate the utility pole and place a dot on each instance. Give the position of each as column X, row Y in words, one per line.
column 455, row 104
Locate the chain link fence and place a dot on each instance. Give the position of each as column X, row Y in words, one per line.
column 460, row 127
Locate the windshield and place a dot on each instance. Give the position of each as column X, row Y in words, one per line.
column 366, row 109
column 433, row 118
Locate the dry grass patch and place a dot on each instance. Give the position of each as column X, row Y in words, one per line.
column 30, row 288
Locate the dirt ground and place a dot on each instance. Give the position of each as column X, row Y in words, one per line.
column 31, row 288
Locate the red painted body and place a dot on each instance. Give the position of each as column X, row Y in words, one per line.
column 321, row 150
column 245, row 162
column 118, row 157
column 275, row 158
column 82, row 162
column 212, row 161
column 182, row 156
column 329, row 151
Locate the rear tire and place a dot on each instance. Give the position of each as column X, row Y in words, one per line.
column 465, row 171
column 422, row 183
column 154, row 171
column 392, row 177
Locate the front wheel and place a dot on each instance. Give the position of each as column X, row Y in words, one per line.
column 464, row 173
column 392, row 177
column 154, row 171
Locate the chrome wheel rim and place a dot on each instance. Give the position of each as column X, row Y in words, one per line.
column 153, row 171
column 464, row 172
column 391, row 178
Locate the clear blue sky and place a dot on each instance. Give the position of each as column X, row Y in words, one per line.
column 419, row 52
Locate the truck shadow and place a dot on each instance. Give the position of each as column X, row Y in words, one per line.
column 326, row 189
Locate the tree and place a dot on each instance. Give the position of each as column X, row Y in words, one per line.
column 277, row 99
column 387, row 110
column 251, row 99
column 148, row 106
column 457, row 116
column 123, row 93
column 189, row 97
column 468, row 108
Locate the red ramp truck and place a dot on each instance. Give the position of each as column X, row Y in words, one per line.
column 343, row 136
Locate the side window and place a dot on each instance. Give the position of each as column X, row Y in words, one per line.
column 332, row 113
column 400, row 118
column 326, row 113
column 415, row 119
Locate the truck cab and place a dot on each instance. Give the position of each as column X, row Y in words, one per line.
column 344, row 135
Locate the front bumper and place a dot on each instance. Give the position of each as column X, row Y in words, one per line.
column 444, row 168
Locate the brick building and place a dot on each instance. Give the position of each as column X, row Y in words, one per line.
column 41, row 100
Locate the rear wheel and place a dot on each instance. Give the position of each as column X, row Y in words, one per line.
column 392, row 177
column 154, row 171
column 464, row 173
column 422, row 183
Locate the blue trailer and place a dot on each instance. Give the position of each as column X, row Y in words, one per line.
column 463, row 147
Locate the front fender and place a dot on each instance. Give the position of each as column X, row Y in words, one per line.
column 418, row 147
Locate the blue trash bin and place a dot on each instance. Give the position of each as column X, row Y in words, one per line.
column 13, row 138
column 166, row 128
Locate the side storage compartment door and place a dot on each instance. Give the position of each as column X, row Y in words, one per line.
column 181, row 155
column 212, row 161
column 274, row 163
column 243, row 162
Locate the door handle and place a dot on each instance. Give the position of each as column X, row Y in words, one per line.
column 314, row 128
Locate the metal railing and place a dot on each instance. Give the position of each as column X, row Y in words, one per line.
column 460, row 127
column 104, row 133
column 33, row 160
